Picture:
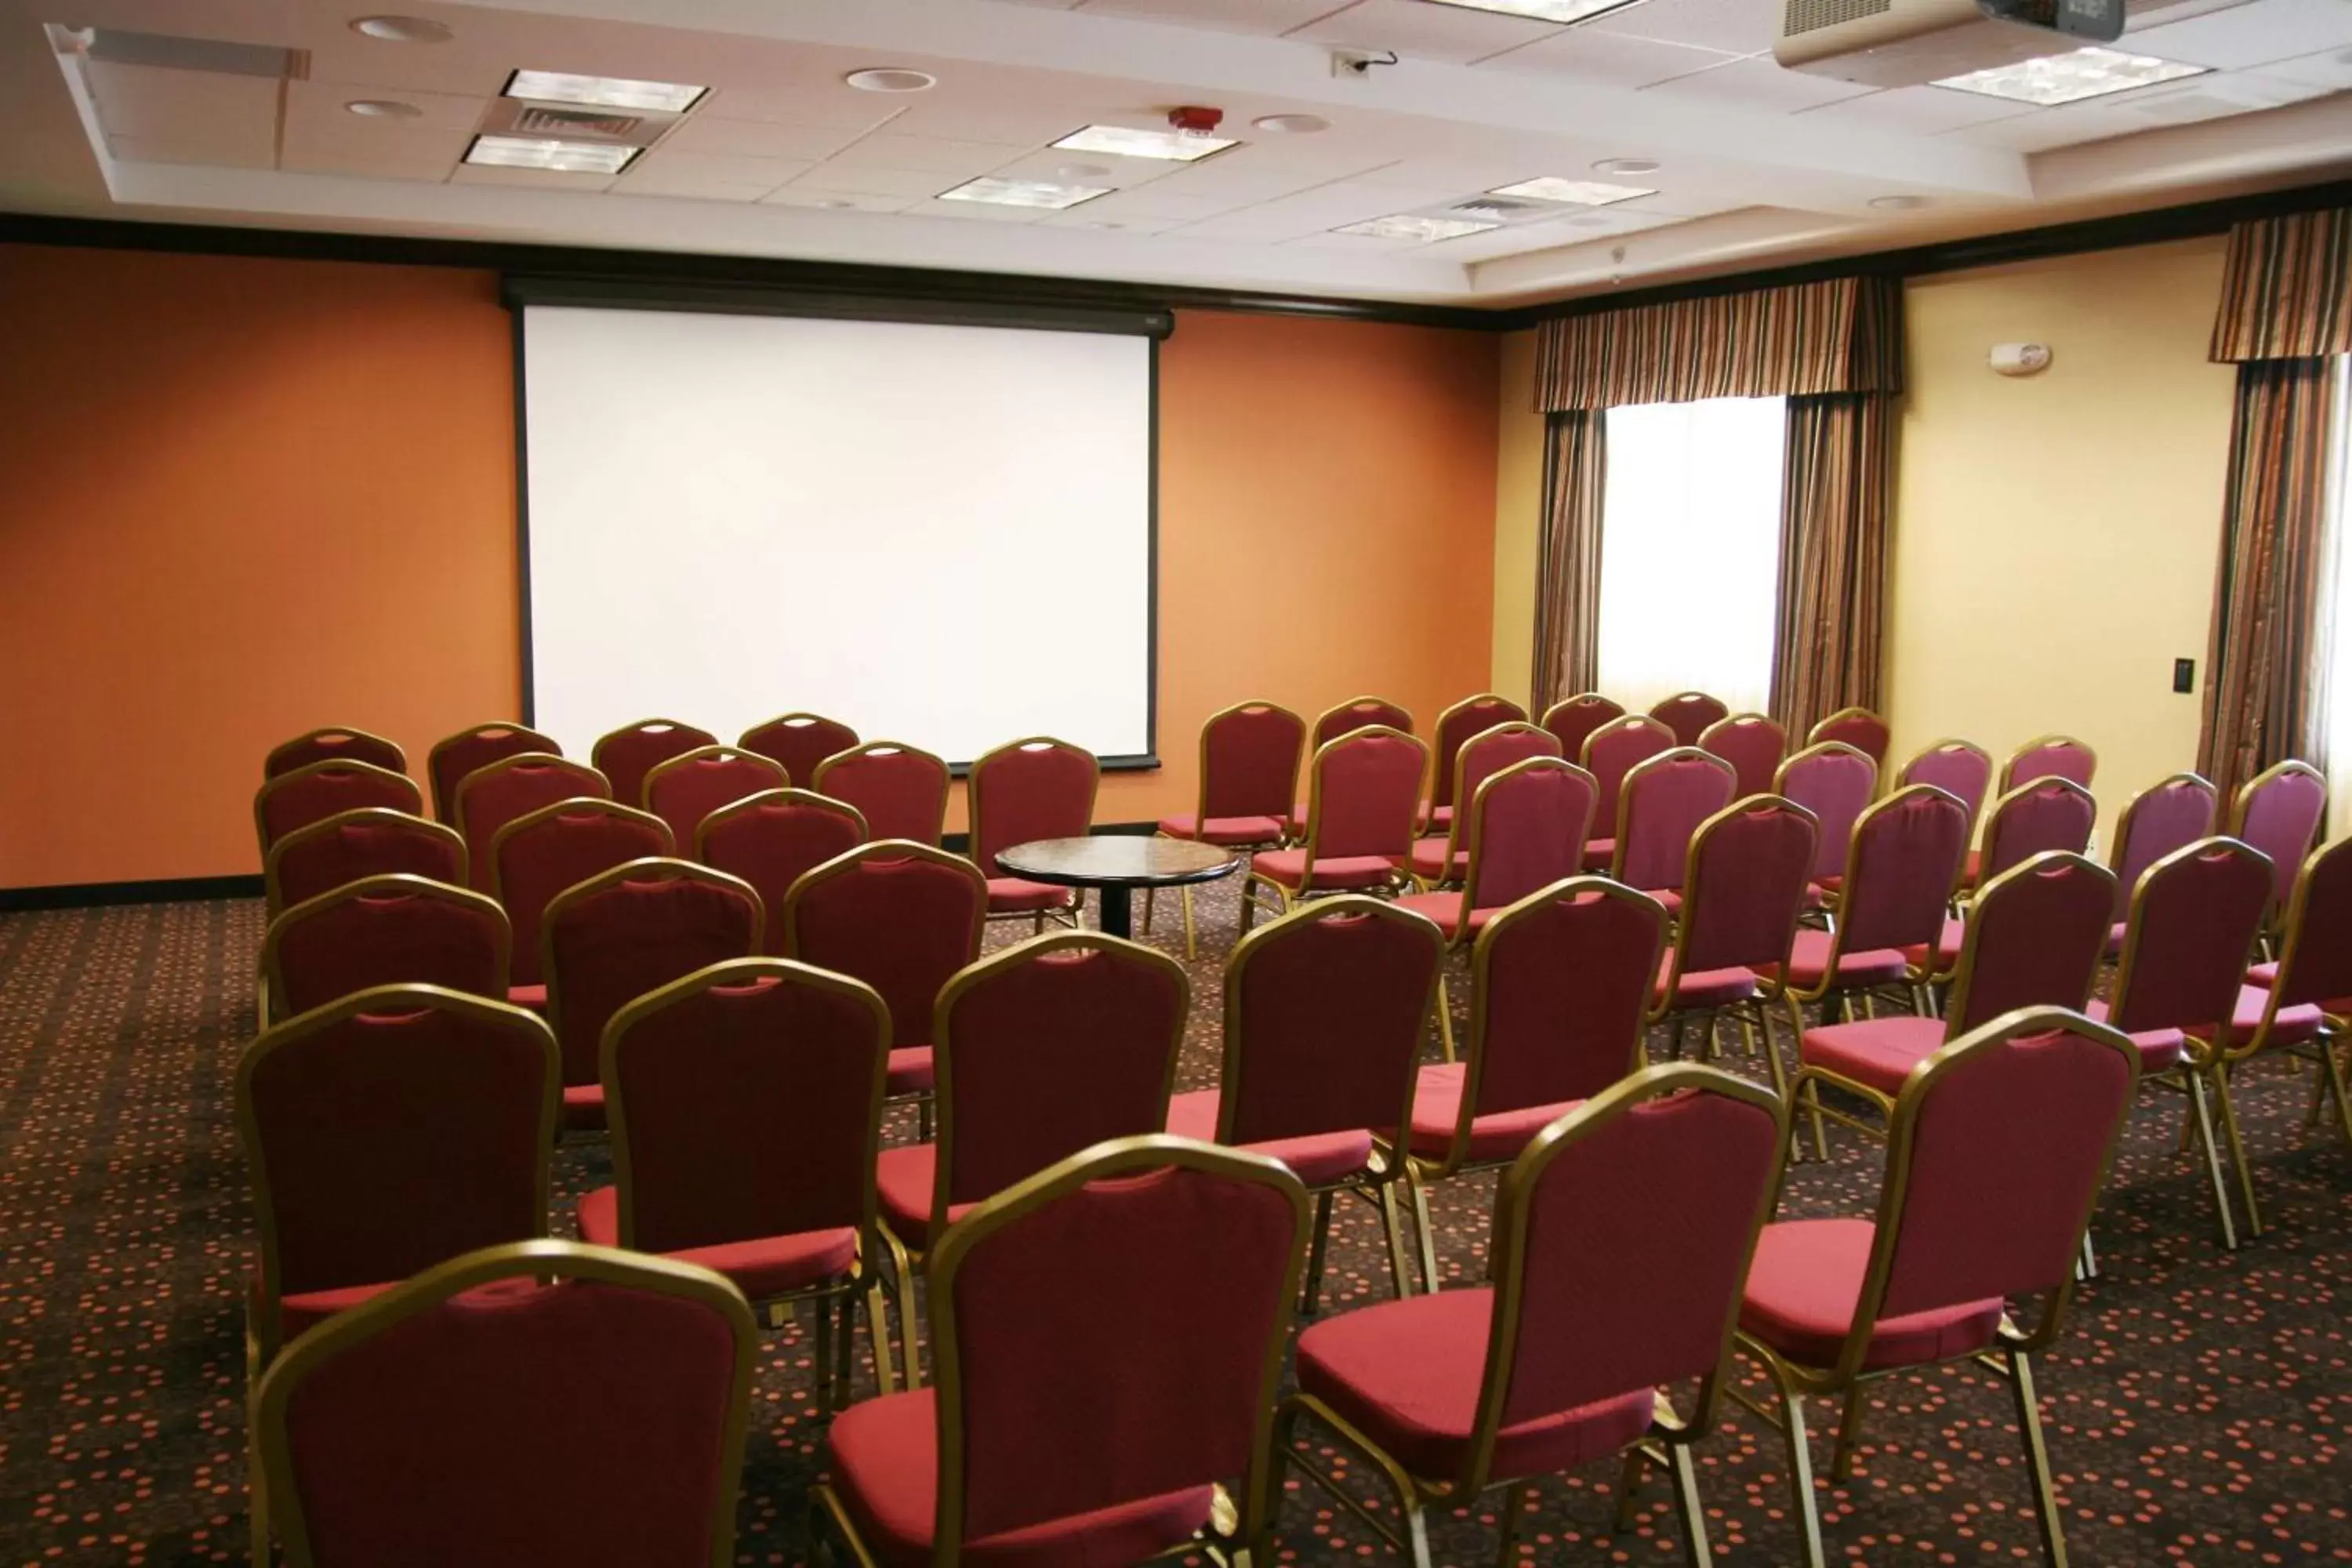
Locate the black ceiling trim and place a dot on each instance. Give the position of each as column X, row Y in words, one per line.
column 742, row 299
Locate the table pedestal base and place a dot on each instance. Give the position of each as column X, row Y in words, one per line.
column 1118, row 919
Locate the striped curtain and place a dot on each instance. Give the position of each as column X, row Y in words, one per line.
column 1829, row 634
column 1568, row 584
column 1841, row 335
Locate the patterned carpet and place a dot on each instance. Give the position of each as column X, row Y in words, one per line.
column 2197, row 1410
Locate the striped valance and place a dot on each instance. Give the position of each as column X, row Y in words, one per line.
column 2286, row 289
column 1845, row 334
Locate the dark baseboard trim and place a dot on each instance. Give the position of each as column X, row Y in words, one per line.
column 97, row 895
column 960, row 843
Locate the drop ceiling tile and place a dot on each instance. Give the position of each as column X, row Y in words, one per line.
column 1758, row 84
column 829, row 105
column 1266, row 17
column 2331, row 69
column 1103, row 169
column 1920, row 111
column 158, row 104
column 322, row 103
column 1157, row 200
column 667, row 166
column 690, row 188
column 2250, row 35
column 952, row 120
column 758, row 139
column 375, row 148
column 541, row 179
column 795, row 196
column 489, row 45
column 1078, row 219
column 139, row 150
column 1360, row 243
column 857, row 180
column 1421, row 31
column 2046, row 128
column 888, row 149
column 979, row 212
column 1735, row 26
column 1609, row 59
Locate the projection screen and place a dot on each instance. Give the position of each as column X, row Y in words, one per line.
column 939, row 534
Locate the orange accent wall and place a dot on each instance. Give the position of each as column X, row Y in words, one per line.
column 245, row 496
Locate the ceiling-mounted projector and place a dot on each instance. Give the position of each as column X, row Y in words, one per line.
column 1897, row 43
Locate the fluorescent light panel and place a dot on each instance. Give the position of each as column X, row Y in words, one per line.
column 2071, row 78
column 1542, row 10
column 1023, row 193
column 562, row 157
column 609, row 91
column 1411, row 226
column 1584, row 192
column 1177, row 146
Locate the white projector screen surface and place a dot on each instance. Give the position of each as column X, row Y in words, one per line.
column 936, row 534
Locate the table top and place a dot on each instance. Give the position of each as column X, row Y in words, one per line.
column 1118, row 858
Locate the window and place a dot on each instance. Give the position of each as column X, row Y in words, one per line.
column 1690, row 549
column 2335, row 693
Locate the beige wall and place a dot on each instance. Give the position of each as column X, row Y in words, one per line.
column 1518, row 513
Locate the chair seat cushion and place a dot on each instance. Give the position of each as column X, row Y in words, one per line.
column 2292, row 1027
column 309, row 1308
column 1229, row 831
column 1671, row 900
column 886, row 1469
column 1446, row 909
column 1430, row 862
column 903, row 1175
column 1288, row 867
column 2115, row 938
column 1947, row 948
column 1017, row 895
column 1439, row 817
column 532, row 996
column 1804, row 1285
column 1319, row 1160
column 1970, row 867
column 2263, row 974
column 2160, row 1050
column 1879, row 1052
column 761, row 1267
column 1703, row 987
column 911, row 1071
column 1407, row 1375
column 1494, row 1137
column 584, row 1107
column 1599, row 853
column 1809, row 959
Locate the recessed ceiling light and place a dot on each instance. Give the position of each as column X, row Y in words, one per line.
column 1023, row 193
column 609, row 91
column 2071, row 78
column 1178, row 146
column 1898, row 203
column 563, row 157
column 1584, row 192
column 383, row 108
column 1626, row 166
column 891, row 79
column 1412, row 226
column 1293, row 124
column 401, row 29
column 1542, row 10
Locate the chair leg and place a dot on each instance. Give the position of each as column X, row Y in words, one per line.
column 2199, row 1122
column 1310, row 1295
column 1444, row 1015
column 1192, row 942
column 844, row 1345
column 2086, row 1261
column 822, row 1311
column 1422, row 1228
column 878, row 1332
column 1801, row 1473
column 1037, row 925
column 1750, row 1032
column 1516, row 1500
column 2037, row 1459
column 2331, row 1067
column 903, row 1273
column 1675, row 1038
column 1695, row 1552
column 923, row 1117
column 1849, row 1431
column 1629, row 1490
column 2237, row 1149
column 1393, row 1223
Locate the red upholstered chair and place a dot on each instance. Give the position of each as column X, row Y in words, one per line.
column 1444, row 858
column 2159, row 819
column 1324, row 1013
column 1622, row 1236
column 540, row 854
column 905, row 919
column 367, row 841
column 1572, row 720
column 1860, row 728
column 394, row 930
column 1753, row 744
column 1835, row 782
column 317, row 790
column 799, row 743
column 1998, row 1145
column 772, row 839
column 627, row 754
column 386, row 1132
column 2034, row 940
column 1659, row 810
column 1043, row 1048
column 608, row 941
column 1559, row 988
column 536, row 1404
column 1743, row 893
column 454, row 757
column 1686, row 715
column 504, row 790
column 1249, row 779
column 691, row 786
column 1346, row 719
column 900, row 790
column 1109, row 1334
column 1611, row 752
column 2048, row 813
column 745, row 1103
column 1456, row 726
column 2278, row 812
column 1018, row 793
column 1960, row 768
column 1363, row 800
column 2048, row 757
column 337, row 742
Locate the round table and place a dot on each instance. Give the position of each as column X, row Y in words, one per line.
column 1115, row 864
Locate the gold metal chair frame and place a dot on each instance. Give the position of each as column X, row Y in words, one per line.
column 269, row 787
column 270, row 1004
column 1458, row 836
column 1071, row 914
column 328, row 732
column 1732, row 724
column 636, row 728
column 1625, row 722
column 752, row 805
column 1201, row 807
column 782, row 721
column 834, row 1298
column 1791, row 1380
column 890, row 748
column 2007, row 800
column 1813, row 737
column 1903, row 779
column 711, row 753
column 2043, row 743
column 578, row 805
column 444, row 810
column 541, row 1260
column 593, row 785
column 1442, row 770
column 1282, row 899
column 1582, row 699
column 1781, row 787
column 1625, row 793
column 1668, row 1443
column 2243, row 800
column 1351, row 707
column 1233, row 1526
column 1680, row 699
column 2128, row 818
column 273, row 893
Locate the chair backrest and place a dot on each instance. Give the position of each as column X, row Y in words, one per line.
column 745, row 1102
column 1752, row 743
column 1356, row 713
column 1032, row 789
column 1906, row 859
column 1614, row 750
column 391, row 1131
column 1249, row 761
column 2193, row 918
column 509, row 788
column 1745, row 887
column 2278, row 811
column 799, row 743
column 1622, row 1238
column 1860, row 728
column 2035, row 936
column 1833, row 782
column 1961, row 769
column 393, row 930
column 2048, row 812
column 455, row 756
column 627, row 754
column 691, row 786
column 543, row 1402
column 900, row 790
column 540, row 854
column 1660, row 808
column 1163, row 1368
column 2315, row 960
column 1688, row 713
column 1048, row 1048
column 1325, row 1011
column 1456, row 726
column 772, row 839
column 337, row 742
column 607, row 941
column 1572, row 720
column 367, row 841
column 2157, row 821
column 1483, row 755
column 902, row 916
column 2048, row 757
column 1525, row 830
column 1363, row 794
column 317, row 790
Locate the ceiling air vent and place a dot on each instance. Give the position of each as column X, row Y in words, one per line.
column 1805, row 16
column 116, row 48
column 539, row 121
column 1502, row 209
